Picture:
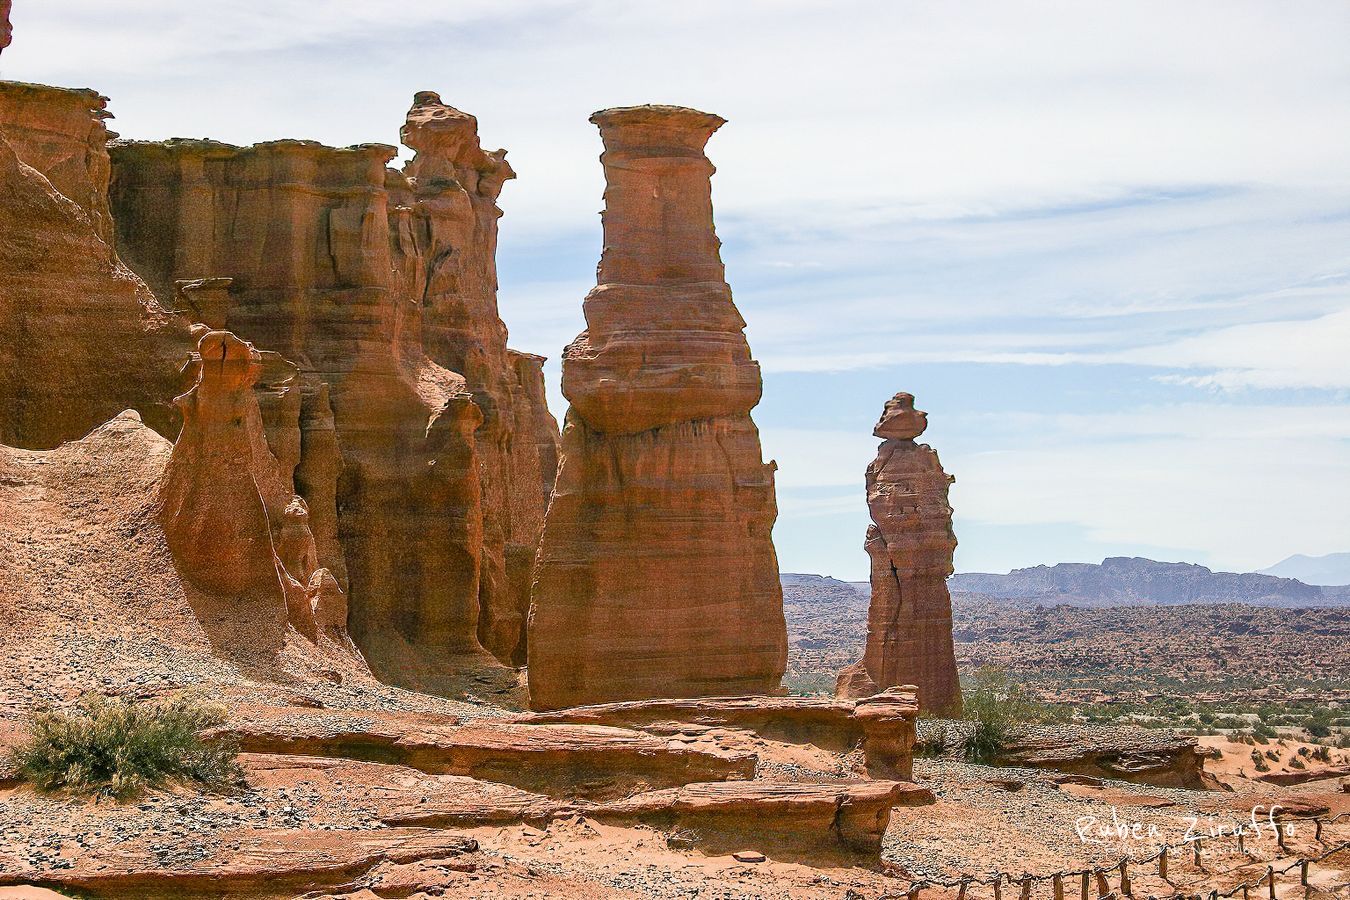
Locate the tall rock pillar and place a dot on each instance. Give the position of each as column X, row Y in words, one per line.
column 910, row 542
column 656, row 575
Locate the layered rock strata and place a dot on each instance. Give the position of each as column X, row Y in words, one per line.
column 379, row 287
column 883, row 725
column 1140, row 755
column 656, row 574
column 238, row 532
column 81, row 337
column 910, row 543
column 559, row 760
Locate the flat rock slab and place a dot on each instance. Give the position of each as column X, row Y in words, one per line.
column 825, row 722
column 402, row 796
column 266, row 862
column 1139, row 755
column 1302, row 776
column 804, row 821
column 794, row 820
column 883, row 724
column 559, row 760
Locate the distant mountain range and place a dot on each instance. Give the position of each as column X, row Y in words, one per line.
column 1332, row 569
column 1124, row 581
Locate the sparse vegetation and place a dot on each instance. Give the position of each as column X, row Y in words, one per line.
column 996, row 705
column 936, row 739
column 118, row 748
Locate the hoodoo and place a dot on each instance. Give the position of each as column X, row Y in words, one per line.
column 911, row 543
column 378, row 288
column 656, row 574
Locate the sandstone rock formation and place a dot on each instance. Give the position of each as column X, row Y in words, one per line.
column 418, row 452
column 238, row 531
column 1141, row 755
column 883, row 725
column 656, row 574
column 910, row 542
column 113, row 556
column 559, row 760
column 81, row 337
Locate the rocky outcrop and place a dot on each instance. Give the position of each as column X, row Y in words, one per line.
column 801, row 820
column 380, row 289
column 656, row 574
column 238, row 532
column 127, row 561
column 558, row 760
column 910, row 542
column 251, row 862
column 452, row 186
column 61, row 133
column 81, row 337
column 1139, row 755
column 882, row 725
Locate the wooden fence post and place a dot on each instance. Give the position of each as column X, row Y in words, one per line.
column 1279, row 835
column 1026, row 888
column 961, row 892
column 1241, row 844
column 1162, row 863
column 1270, row 874
column 1058, row 881
column 1317, row 830
column 1197, row 852
column 998, row 886
column 1102, row 887
column 1087, row 880
column 914, row 889
column 1125, row 877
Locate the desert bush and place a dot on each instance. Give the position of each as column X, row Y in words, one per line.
column 112, row 747
column 997, row 706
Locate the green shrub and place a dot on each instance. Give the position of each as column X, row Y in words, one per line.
column 997, row 706
column 118, row 748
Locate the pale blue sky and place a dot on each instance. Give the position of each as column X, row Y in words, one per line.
column 1106, row 244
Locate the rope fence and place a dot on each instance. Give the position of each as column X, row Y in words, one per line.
column 1097, row 876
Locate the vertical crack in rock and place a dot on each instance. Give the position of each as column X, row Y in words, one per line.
column 656, row 574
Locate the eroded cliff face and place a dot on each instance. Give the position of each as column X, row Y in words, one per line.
column 451, row 195
column 656, row 574
column 911, row 544
column 380, row 289
column 204, row 547
column 238, row 532
column 81, row 337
